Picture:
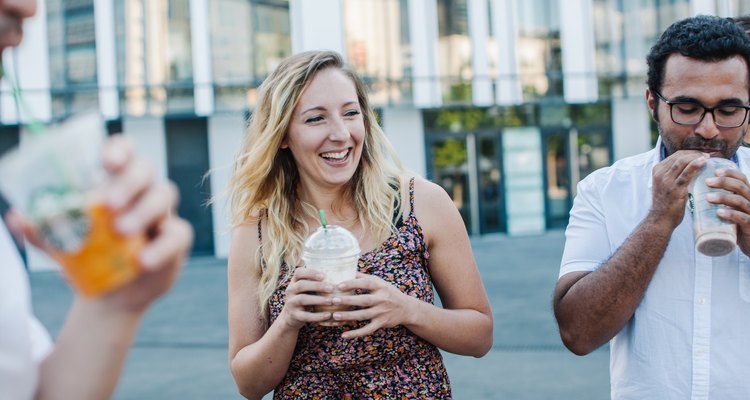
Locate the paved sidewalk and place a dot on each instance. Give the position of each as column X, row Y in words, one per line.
column 181, row 348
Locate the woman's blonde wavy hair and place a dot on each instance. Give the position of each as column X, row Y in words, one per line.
column 265, row 177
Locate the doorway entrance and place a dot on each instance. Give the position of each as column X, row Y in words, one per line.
column 570, row 154
column 187, row 162
column 468, row 167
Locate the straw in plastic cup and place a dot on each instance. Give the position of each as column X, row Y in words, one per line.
column 52, row 179
column 334, row 251
column 714, row 236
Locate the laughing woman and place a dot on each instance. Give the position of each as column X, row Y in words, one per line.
column 313, row 143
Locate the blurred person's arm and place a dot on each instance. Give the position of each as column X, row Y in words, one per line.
column 463, row 325
column 592, row 307
column 259, row 357
column 90, row 350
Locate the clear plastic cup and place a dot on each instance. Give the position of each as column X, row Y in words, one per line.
column 714, row 237
column 334, row 251
column 52, row 178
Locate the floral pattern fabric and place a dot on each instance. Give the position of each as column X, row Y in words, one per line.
column 391, row 363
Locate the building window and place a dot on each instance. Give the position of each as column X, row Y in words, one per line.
column 736, row 7
column 454, row 51
column 609, row 39
column 539, row 52
column 377, row 46
column 248, row 40
column 72, row 56
column 154, row 56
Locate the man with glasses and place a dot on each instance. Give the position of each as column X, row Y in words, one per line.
column 678, row 321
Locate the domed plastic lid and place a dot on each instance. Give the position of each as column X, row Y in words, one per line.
column 332, row 241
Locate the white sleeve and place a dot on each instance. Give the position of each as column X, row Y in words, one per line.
column 41, row 343
column 23, row 340
column 587, row 243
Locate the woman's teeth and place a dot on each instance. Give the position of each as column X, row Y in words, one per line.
column 336, row 155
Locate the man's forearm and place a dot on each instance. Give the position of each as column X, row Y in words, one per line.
column 89, row 352
column 592, row 307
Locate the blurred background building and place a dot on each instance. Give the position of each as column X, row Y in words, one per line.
column 507, row 104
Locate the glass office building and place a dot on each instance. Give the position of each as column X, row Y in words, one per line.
column 507, row 104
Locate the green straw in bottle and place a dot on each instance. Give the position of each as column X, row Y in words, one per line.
column 32, row 123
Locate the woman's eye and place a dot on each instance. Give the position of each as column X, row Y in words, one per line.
column 316, row 118
column 351, row 113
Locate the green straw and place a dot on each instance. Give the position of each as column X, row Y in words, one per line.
column 34, row 125
column 322, row 218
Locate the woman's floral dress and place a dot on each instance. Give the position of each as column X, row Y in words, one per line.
column 391, row 363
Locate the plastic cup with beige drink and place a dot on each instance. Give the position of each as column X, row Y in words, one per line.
column 334, row 251
column 714, row 237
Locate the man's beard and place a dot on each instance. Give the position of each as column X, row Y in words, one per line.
column 696, row 142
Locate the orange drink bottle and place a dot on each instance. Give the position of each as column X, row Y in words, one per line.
column 53, row 179
column 106, row 260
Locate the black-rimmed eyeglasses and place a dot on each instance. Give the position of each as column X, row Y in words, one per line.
column 692, row 113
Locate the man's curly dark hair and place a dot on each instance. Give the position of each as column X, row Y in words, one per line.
column 706, row 38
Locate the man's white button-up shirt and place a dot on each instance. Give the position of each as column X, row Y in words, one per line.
column 23, row 340
column 690, row 336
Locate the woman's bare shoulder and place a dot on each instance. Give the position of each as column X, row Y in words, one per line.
column 245, row 239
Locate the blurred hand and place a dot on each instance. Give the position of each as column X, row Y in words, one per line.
column 143, row 207
column 383, row 304
column 305, row 290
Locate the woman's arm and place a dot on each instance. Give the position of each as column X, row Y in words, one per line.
column 259, row 358
column 464, row 324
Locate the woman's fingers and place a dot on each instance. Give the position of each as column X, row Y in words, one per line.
column 366, row 330
column 307, row 273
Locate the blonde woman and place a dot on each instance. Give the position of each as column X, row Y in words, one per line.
column 313, row 143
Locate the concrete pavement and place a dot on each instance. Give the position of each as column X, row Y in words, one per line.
column 181, row 349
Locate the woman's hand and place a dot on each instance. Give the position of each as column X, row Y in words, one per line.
column 306, row 290
column 383, row 304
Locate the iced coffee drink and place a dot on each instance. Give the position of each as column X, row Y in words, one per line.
column 713, row 236
column 334, row 251
column 53, row 179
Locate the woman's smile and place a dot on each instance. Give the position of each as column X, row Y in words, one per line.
column 336, row 157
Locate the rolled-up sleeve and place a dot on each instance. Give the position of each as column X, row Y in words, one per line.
column 587, row 243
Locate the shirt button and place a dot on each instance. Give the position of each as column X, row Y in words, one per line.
column 702, row 301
